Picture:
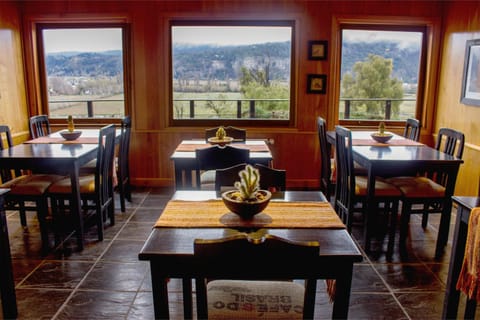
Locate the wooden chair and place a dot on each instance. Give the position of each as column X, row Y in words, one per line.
column 227, row 264
column 26, row 188
column 412, row 129
column 327, row 186
column 215, row 157
column 39, row 126
column 270, row 178
column 351, row 192
column 96, row 188
column 428, row 188
column 123, row 171
column 238, row 134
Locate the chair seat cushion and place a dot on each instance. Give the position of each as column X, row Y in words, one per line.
column 382, row 188
column 89, row 167
column 418, row 187
column 86, row 182
column 207, row 180
column 35, row 184
column 239, row 299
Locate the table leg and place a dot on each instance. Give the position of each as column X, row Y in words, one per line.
column 343, row 285
column 371, row 208
column 452, row 295
column 76, row 205
column 187, row 298
column 7, row 284
column 160, row 292
column 442, row 237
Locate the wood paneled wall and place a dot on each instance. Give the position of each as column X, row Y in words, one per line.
column 295, row 148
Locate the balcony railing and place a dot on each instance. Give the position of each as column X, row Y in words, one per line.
column 234, row 108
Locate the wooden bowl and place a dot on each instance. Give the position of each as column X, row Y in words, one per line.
column 220, row 142
column 70, row 135
column 381, row 137
column 246, row 209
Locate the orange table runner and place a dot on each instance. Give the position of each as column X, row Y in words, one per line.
column 391, row 142
column 188, row 147
column 213, row 213
column 80, row 140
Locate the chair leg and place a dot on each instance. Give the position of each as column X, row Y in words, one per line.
column 404, row 221
column 122, row 192
column 42, row 212
column 23, row 215
column 425, row 215
column 393, row 225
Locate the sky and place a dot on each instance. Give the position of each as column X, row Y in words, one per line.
column 405, row 39
column 229, row 35
column 90, row 40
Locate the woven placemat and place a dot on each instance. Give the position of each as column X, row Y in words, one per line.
column 391, row 142
column 80, row 140
column 213, row 213
column 188, row 147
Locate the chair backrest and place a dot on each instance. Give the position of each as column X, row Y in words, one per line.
column 450, row 141
column 226, row 177
column 104, row 165
column 238, row 134
column 272, row 179
column 345, row 182
column 39, row 126
column 325, row 154
column 265, row 258
column 6, row 142
column 124, row 149
column 412, row 129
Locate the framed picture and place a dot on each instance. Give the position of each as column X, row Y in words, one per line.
column 471, row 74
column 317, row 50
column 317, row 83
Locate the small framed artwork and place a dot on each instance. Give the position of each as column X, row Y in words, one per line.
column 317, row 83
column 471, row 74
column 317, row 50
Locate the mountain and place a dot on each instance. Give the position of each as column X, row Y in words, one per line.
column 202, row 62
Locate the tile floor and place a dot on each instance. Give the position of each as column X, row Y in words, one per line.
column 107, row 281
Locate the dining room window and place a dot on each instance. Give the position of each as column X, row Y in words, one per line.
column 83, row 69
column 231, row 72
column 381, row 72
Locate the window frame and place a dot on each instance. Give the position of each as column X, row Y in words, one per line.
column 244, row 122
column 43, row 77
column 427, row 68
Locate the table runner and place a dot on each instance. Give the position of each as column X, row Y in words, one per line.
column 188, row 147
column 391, row 142
column 213, row 213
column 80, row 140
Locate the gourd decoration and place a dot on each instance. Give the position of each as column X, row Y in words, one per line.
column 71, row 125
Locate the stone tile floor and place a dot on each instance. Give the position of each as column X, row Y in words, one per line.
column 107, row 281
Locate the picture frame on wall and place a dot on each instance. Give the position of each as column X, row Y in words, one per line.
column 317, row 50
column 317, row 83
column 471, row 74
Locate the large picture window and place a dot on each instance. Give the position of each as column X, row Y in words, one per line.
column 231, row 71
column 84, row 70
column 380, row 72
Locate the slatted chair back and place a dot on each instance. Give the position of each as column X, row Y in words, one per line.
column 225, row 177
column 39, row 126
column 272, row 179
column 216, row 157
column 6, row 142
column 326, row 184
column 104, row 169
column 231, row 258
column 451, row 142
column 412, row 129
column 238, row 134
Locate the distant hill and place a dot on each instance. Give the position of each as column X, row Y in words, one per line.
column 190, row 61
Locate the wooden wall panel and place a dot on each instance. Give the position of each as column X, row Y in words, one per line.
column 295, row 148
column 13, row 109
column 461, row 24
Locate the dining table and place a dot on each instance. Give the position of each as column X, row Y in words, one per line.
column 55, row 155
column 185, row 163
column 403, row 157
column 293, row 215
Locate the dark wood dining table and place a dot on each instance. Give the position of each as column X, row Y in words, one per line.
column 404, row 157
column 53, row 154
column 185, row 162
column 170, row 249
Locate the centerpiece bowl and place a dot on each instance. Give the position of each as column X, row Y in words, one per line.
column 220, row 142
column 246, row 209
column 70, row 135
column 381, row 137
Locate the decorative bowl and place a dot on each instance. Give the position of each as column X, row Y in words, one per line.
column 246, row 209
column 70, row 135
column 220, row 142
column 381, row 137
